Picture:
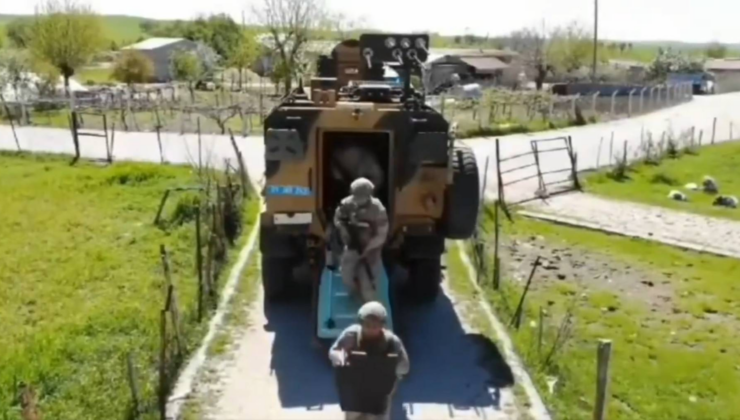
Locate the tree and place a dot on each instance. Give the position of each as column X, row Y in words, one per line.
column 15, row 68
column 132, row 66
column 289, row 23
column 47, row 77
column 571, row 48
column 246, row 52
column 67, row 35
column 533, row 47
column 716, row 50
column 185, row 66
column 19, row 32
column 669, row 61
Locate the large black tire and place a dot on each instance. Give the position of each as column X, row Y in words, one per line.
column 276, row 276
column 425, row 279
column 463, row 196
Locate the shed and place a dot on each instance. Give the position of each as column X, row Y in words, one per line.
column 159, row 50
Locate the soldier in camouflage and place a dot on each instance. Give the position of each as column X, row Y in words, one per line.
column 362, row 223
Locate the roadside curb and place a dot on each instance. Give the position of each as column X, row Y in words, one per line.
column 600, row 228
column 186, row 379
column 537, row 409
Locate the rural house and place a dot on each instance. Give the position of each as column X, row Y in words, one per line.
column 471, row 65
column 159, row 50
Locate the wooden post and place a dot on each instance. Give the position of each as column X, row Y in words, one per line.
column 161, row 206
column 611, row 149
column 75, row 137
column 714, row 129
column 517, row 320
column 108, row 154
column 496, row 260
column 172, row 306
column 163, row 365
column 242, row 166
column 135, row 394
column 200, row 150
column 112, row 139
column 158, row 128
column 604, row 354
column 540, row 331
column 12, row 124
column 199, row 262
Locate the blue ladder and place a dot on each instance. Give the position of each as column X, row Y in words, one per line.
column 338, row 310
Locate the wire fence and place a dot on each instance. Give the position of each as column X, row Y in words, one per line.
column 167, row 108
column 501, row 111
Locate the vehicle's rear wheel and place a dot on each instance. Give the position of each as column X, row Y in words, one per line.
column 425, row 278
column 463, row 196
column 276, row 275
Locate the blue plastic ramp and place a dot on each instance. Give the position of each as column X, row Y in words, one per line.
column 338, row 310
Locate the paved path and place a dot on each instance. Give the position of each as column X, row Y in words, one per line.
column 699, row 113
column 273, row 373
column 686, row 230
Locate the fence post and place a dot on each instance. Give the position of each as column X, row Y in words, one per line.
column 135, row 394
column 573, row 105
column 642, row 99
column 629, row 112
column 496, row 260
column 163, row 365
column 593, row 102
column 199, row 262
column 731, row 134
column 12, row 125
column 714, row 129
column 75, row 137
column 598, row 155
column 611, row 149
column 158, row 128
column 604, row 354
column 614, row 96
column 517, row 319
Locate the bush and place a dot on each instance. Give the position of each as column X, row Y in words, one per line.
column 133, row 67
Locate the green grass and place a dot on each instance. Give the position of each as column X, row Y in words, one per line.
column 660, row 360
column 651, row 184
column 82, row 282
column 94, row 76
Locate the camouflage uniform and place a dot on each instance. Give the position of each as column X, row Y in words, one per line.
column 363, row 225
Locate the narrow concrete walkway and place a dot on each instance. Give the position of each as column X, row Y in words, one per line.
column 681, row 229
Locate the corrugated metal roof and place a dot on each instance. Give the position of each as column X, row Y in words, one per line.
column 472, row 52
column 485, row 64
column 153, row 43
column 726, row 64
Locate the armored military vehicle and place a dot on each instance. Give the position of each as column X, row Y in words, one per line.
column 352, row 122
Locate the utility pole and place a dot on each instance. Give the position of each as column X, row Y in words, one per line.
column 596, row 38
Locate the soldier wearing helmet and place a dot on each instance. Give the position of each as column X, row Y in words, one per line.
column 370, row 337
column 362, row 223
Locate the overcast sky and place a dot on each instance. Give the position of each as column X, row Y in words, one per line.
column 681, row 20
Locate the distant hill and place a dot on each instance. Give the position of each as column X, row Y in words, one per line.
column 123, row 30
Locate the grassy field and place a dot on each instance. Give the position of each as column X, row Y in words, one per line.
column 94, row 76
column 650, row 184
column 82, row 282
column 675, row 354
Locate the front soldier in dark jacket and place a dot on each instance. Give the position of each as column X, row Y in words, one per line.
column 370, row 337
